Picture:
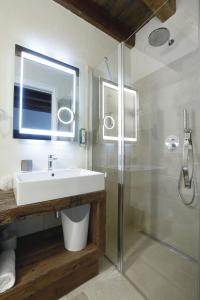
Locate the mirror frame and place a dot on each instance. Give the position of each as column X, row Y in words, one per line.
column 109, row 84
column 28, row 133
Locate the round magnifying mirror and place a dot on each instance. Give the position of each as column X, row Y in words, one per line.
column 65, row 115
column 109, row 122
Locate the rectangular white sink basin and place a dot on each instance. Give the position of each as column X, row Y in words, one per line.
column 41, row 186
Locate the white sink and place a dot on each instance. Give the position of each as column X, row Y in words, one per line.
column 41, row 186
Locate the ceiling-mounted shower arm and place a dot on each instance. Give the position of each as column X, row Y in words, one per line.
column 108, row 68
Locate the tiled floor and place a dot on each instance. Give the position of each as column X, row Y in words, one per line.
column 108, row 285
column 160, row 273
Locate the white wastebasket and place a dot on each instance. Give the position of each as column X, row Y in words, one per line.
column 75, row 223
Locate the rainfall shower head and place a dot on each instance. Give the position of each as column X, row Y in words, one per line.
column 159, row 37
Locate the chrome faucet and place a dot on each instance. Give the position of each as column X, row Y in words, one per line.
column 51, row 158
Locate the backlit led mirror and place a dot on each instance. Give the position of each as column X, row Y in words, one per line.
column 110, row 106
column 45, row 97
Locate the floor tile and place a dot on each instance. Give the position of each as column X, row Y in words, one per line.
column 108, row 285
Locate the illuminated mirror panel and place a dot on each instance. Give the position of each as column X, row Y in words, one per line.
column 45, row 97
column 110, row 106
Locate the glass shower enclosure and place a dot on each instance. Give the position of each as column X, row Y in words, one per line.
column 145, row 128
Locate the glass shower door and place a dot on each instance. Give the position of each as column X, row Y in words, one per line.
column 105, row 142
column 161, row 233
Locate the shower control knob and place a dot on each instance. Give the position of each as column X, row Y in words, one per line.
column 172, row 142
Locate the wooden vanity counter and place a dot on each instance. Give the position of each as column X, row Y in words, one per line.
column 44, row 268
column 9, row 211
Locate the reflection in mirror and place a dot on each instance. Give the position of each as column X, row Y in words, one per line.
column 110, row 110
column 109, row 99
column 45, row 97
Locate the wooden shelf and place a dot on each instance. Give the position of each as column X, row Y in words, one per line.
column 45, row 270
column 9, row 211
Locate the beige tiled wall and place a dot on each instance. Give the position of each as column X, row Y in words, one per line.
column 155, row 171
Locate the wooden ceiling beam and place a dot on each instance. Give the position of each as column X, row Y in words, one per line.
column 100, row 18
column 163, row 9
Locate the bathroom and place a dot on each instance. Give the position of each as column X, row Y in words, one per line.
column 130, row 152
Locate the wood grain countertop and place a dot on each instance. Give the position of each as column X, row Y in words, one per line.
column 10, row 211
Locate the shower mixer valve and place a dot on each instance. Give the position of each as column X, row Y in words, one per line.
column 172, row 142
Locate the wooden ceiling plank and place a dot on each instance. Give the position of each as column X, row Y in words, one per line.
column 118, row 7
column 99, row 17
column 135, row 20
column 163, row 9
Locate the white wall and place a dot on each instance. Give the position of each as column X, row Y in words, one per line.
column 48, row 28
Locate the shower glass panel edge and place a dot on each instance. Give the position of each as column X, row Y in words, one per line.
column 105, row 142
column 120, row 156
